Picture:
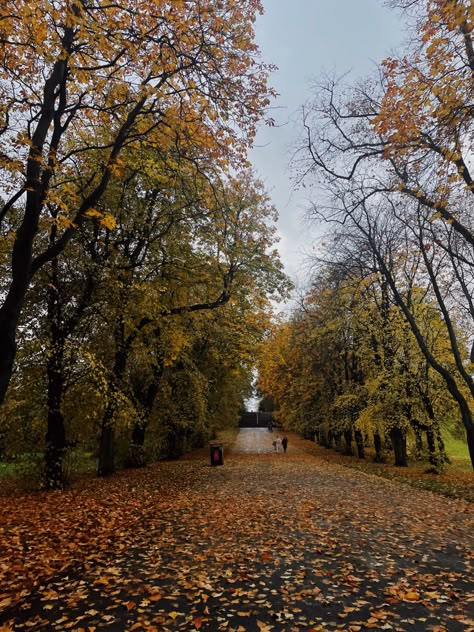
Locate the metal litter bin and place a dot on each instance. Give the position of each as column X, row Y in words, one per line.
column 216, row 453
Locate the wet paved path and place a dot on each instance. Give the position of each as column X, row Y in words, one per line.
column 268, row 542
column 258, row 441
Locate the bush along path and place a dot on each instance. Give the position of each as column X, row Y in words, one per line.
column 268, row 541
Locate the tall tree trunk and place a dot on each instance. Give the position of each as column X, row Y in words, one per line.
column 36, row 185
column 433, row 432
column 136, row 453
column 138, row 433
column 359, row 439
column 331, row 438
column 323, row 438
column 430, row 440
column 106, row 464
column 146, row 398
column 466, row 417
column 175, row 444
column 56, row 432
column 8, row 325
column 441, row 446
column 348, row 451
column 399, row 444
column 418, row 440
column 378, row 448
column 470, row 444
column 60, row 328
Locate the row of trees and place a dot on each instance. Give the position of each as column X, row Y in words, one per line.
column 347, row 369
column 137, row 248
column 389, row 160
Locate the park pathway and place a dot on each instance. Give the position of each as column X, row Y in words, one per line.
column 258, row 441
column 267, row 542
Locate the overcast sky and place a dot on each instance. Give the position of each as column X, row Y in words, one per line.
column 303, row 38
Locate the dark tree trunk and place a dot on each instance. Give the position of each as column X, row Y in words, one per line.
column 330, row 437
column 434, row 433
column 138, row 433
column 399, row 444
column 8, row 346
column 470, row 444
column 348, row 451
column 106, row 462
column 378, row 448
column 175, row 444
column 147, row 398
column 60, row 330
column 418, row 440
column 136, row 454
column 56, row 432
column 430, row 440
column 466, row 417
column 323, row 438
column 359, row 439
column 106, row 465
column 441, row 446
column 36, row 185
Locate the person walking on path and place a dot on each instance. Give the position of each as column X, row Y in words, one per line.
column 278, row 443
column 284, row 443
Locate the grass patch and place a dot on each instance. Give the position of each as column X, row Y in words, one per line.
column 7, row 469
column 452, row 483
column 456, row 449
column 457, row 481
column 26, row 472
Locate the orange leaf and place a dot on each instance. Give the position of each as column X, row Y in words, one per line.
column 155, row 597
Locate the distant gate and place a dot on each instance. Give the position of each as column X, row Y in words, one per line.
column 255, row 420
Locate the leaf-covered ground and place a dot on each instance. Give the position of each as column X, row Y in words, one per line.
column 266, row 542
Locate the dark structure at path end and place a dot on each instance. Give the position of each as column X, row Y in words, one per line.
column 256, row 420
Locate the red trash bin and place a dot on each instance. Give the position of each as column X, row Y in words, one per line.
column 216, row 453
